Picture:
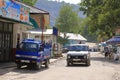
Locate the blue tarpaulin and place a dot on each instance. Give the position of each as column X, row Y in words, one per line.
column 55, row 31
column 114, row 40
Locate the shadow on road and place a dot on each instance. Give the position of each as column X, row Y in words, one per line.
column 29, row 70
column 77, row 65
column 23, row 70
column 103, row 59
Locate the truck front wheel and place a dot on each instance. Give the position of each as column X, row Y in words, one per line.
column 47, row 63
column 19, row 66
column 38, row 65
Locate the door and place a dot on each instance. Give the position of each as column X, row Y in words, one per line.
column 6, row 38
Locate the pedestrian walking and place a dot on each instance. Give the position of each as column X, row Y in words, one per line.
column 106, row 51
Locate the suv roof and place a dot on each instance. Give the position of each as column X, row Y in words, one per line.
column 78, row 44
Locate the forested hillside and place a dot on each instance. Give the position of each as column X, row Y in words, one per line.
column 53, row 8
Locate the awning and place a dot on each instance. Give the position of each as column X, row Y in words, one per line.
column 35, row 25
column 114, row 40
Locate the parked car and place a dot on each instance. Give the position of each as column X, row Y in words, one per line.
column 65, row 49
column 78, row 53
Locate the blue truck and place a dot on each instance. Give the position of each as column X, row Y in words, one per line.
column 33, row 53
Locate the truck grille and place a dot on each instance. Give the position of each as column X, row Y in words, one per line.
column 77, row 57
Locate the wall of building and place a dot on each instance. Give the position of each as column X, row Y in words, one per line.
column 19, row 31
column 46, row 38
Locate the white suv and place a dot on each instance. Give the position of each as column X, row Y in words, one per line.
column 78, row 53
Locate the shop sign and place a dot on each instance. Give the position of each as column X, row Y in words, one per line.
column 24, row 13
column 11, row 9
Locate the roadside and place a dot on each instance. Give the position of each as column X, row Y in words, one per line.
column 4, row 65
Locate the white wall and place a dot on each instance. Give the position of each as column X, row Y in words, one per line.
column 21, row 30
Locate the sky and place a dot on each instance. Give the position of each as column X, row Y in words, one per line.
column 69, row 1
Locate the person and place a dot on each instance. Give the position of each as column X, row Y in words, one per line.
column 117, row 55
column 106, row 50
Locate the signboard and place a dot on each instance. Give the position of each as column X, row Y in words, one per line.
column 55, row 31
column 11, row 9
column 24, row 14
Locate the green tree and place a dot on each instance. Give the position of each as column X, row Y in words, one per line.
column 29, row 2
column 68, row 21
column 103, row 16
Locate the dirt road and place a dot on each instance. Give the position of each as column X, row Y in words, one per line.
column 100, row 69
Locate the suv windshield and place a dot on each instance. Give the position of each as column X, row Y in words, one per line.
column 28, row 46
column 78, row 48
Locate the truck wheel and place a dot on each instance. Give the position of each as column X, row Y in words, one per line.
column 88, row 62
column 18, row 66
column 46, row 63
column 38, row 65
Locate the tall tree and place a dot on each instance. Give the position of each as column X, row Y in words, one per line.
column 68, row 21
column 103, row 16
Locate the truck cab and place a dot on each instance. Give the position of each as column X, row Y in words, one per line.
column 33, row 53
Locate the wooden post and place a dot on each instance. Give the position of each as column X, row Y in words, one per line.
column 43, row 22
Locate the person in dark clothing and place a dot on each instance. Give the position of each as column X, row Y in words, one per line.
column 107, row 52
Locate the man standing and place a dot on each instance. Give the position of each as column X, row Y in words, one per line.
column 106, row 50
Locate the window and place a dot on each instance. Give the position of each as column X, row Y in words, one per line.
column 29, row 46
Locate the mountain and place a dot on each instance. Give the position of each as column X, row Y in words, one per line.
column 53, row 7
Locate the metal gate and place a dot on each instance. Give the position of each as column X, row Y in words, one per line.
column 6, row 42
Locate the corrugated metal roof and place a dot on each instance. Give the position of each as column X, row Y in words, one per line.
column 39, row 31
column 73, row 36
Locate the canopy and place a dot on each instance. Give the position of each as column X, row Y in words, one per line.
column 35, row 25
column 114, row 40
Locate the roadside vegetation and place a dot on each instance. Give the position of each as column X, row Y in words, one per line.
column 68, row 21
column 102, row 17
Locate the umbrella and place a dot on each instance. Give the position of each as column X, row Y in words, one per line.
column 114, row 40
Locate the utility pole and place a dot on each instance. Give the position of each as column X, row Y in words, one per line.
column 43, row 22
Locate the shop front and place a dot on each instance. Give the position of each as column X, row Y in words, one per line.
column 6, row 40
column 12, row 17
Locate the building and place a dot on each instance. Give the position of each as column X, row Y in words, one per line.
column 49, row 37
column 75, row 38
column 15, row 20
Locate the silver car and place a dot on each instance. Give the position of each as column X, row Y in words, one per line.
column 78, row 53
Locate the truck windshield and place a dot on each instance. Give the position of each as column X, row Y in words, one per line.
column 29, row 46
column 78, row 48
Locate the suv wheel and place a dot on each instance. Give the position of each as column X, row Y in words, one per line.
column 88, row 62
column 69, row 63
